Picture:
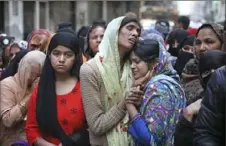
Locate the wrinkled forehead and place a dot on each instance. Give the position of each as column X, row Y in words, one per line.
column 205, row 33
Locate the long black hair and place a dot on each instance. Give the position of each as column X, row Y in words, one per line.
column 46, row 97
column 147, row 50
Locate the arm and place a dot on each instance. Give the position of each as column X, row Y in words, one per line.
column 144, row 128
column 42, row 142
column 192, row 110
column 11, row 111
column 188, row 76
column 31, row 128
column 210, row 120
column 138, row 128
column 99, row 121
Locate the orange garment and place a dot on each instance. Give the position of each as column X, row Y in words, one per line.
column 84, row 59
column 70, row 115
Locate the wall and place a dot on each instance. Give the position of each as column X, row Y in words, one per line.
column 14, row 19
column 48, row 14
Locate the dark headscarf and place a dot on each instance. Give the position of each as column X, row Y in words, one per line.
column 5, row 41
column 65, row 25
column 184, row 57
column 46, row 102
column 82, row 36
column 179, row 35
column 210, row 61
column 217, row 28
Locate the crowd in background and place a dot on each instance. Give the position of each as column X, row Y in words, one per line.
column 115, row 84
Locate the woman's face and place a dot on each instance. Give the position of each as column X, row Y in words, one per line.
column 128, row 36
column 62, row 59
column 207, row 40
column 138, row 66
column 95, row 37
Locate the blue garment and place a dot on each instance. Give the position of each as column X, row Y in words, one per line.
column 161, row 107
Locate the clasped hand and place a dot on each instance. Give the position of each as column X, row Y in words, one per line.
column 135, row 96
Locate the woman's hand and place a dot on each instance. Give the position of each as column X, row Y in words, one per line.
column 192, row 110
column 143, row 80
column 135, row 96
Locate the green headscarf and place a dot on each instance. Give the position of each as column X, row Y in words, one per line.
column 117, row 82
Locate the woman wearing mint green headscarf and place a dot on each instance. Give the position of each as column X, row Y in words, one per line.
column 105, row 80
column 153, row 122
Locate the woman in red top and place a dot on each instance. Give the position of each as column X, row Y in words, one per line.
column 55, row 112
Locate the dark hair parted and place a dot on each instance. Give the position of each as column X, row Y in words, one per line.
column 147, row 50
column 99, row 23
column 95, row 24
column 46, row 112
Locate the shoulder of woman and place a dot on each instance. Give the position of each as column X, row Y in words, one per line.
column 160, row 84
column 9, row 82
column 89, row 68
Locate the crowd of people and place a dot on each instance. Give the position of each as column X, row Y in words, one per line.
column 114, row 84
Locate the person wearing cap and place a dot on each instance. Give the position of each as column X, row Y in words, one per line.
column 163, row 27
column 16, row 47
column 5, row 42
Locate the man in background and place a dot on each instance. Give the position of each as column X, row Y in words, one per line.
column 182, row 22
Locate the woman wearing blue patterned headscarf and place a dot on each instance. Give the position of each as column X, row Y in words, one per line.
column 154, row 121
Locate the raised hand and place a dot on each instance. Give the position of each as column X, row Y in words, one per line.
column 135, row 96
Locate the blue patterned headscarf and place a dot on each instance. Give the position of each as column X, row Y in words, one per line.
column 164, row 61
column 162, row 102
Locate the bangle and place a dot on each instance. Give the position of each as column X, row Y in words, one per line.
column 23, row 105
column 135, row 117
column 23, row 108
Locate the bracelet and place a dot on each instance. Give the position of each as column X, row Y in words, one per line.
column 23, row 105
column 135, row 117
column 23, row 109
